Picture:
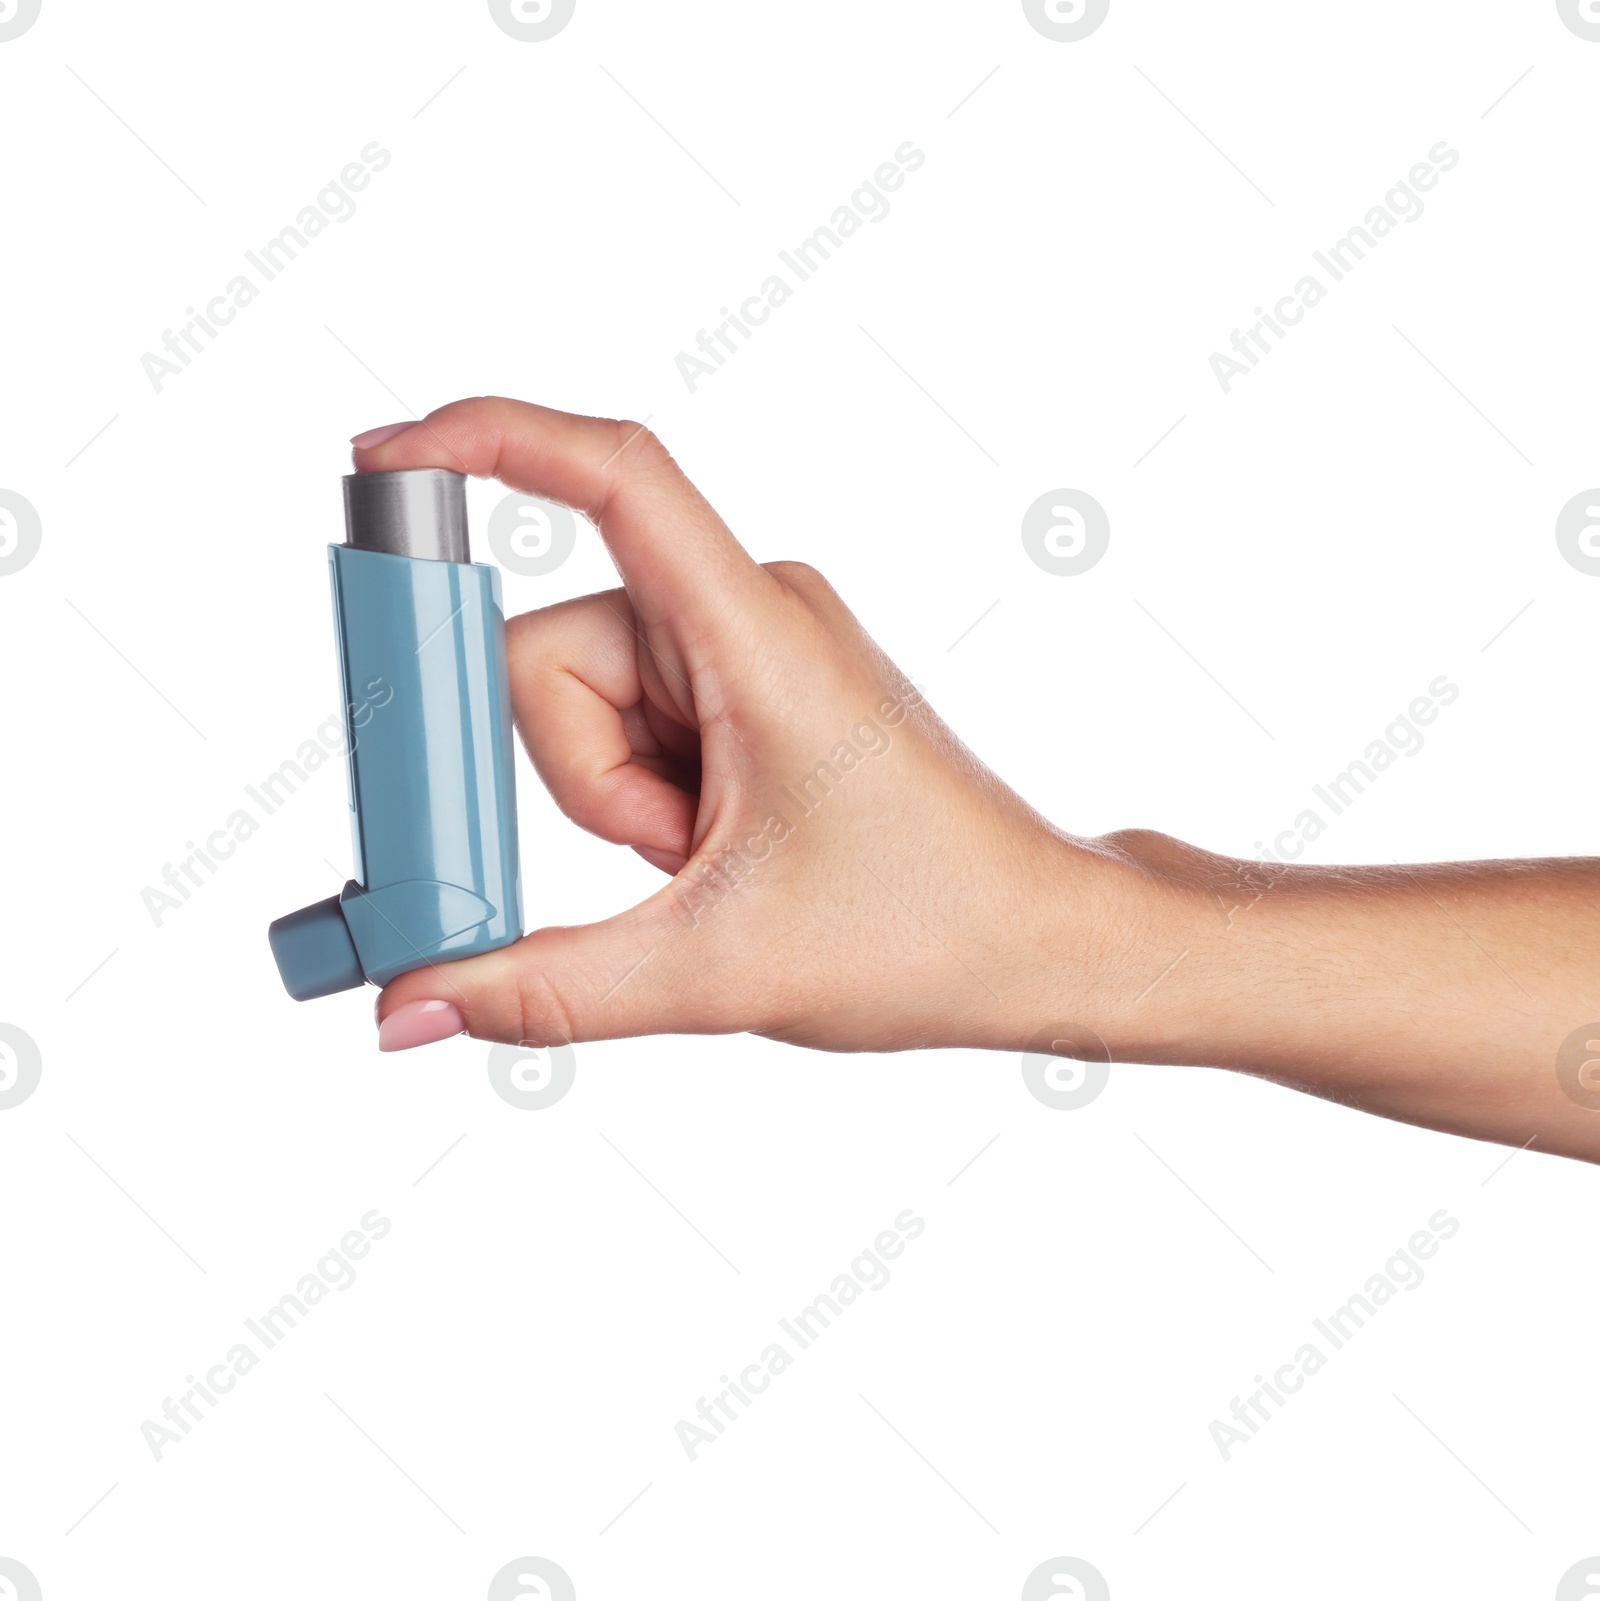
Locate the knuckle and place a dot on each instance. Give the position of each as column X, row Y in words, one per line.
column 801, row 577
column 637, row 447
column 635, row 455
column 543, row 1014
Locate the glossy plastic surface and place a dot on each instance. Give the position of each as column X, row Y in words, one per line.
column 432, row 791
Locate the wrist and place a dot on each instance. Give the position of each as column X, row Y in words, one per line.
column 1120, row 919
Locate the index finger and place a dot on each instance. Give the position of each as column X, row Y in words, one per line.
column 674, row 552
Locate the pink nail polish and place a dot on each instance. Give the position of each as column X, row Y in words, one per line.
column 419, row 1023
column 376, row 436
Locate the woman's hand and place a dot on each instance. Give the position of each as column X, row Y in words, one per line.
column 844, row 873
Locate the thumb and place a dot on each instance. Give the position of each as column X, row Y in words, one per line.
column 558, row 986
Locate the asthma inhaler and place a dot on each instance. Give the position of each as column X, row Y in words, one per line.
column 427, row 714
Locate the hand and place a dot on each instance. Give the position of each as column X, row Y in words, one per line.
column 844, row 873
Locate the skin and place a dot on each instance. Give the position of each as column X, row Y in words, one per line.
column 909, row 899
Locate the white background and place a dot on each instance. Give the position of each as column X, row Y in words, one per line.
column 1369, row 509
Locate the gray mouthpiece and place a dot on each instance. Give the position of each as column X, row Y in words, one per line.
column 420, row 513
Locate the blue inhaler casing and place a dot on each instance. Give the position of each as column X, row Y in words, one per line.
column 427, row 716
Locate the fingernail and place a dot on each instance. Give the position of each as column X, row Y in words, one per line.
column 376, row 436
column 419, row 1023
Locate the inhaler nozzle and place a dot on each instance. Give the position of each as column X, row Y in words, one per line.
column 314, row 951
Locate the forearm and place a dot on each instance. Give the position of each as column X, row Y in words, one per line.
column 1439, row 995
